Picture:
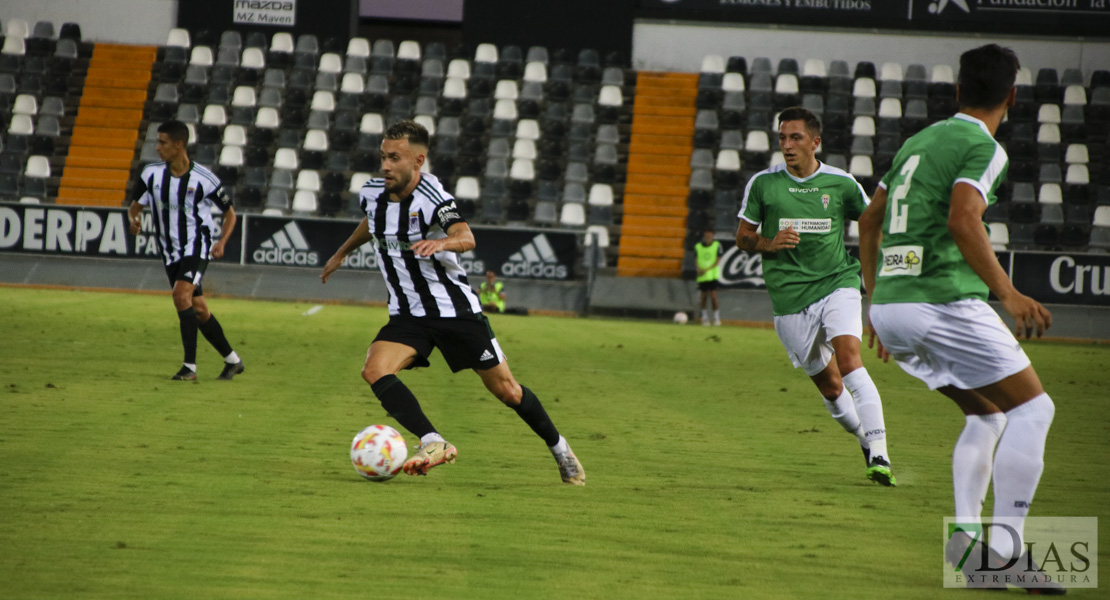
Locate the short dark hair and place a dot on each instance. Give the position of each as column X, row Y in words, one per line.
column 987, row 75
column 797, row 113
column 176, row 131
column 409, row 130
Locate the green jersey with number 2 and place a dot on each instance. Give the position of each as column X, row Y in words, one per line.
column 817, row 207
column 918, row 259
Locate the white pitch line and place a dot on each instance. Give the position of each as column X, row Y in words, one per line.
column 313, row 310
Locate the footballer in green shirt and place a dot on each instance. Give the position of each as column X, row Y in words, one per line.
column 813, row 282
column 928, row 264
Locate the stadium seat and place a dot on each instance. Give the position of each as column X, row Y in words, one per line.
column 861, row 167
column 863, row 126
column 231, row 156
column 1050, row 193
column 21, row 125
column 1077, row 154
column 37, row 166
column 286, row 158
column 25, row 104
column 214, row 114
column 1077, row 174
column 308, row 179
column 712, row 63
column 600, row 195
column 178, row 37
column 942, row 74
column 201, row 56
column 890, row 108
column 572, row 215
column 999, row 236
column 891, row 71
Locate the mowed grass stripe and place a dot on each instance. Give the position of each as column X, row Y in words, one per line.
column 713, row 469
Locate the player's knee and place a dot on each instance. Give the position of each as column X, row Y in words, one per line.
column 182, row 300
column 832, row 390
column 848, row 363
column 372, row 373
column 508, row 392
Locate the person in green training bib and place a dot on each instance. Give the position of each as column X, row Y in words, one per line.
column 928, row 265
column 813, row 282
column 490, row 293
column 709, row 274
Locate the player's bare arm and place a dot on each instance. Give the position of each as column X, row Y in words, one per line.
column 360, row 236
column 459, row 239
column 870, row 237
column 965, row 222
column 225, row 233
column 134, row 217
column 749, row 239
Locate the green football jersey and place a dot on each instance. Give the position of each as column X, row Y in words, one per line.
column 918, row 258
column 817, row 207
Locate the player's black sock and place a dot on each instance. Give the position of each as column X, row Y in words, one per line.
column 536, row 417
column 398, row 401
column 188, row 319
column 215, row 335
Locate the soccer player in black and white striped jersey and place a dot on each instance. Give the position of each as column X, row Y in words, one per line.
column 181, row 195
column 417, row 233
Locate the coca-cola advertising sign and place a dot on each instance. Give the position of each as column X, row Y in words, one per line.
column 740, row 269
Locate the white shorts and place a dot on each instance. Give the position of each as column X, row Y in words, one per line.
column 963, row 344
column 807, row 335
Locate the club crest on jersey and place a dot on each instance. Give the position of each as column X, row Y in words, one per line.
column 414, row 222
column 825, row 201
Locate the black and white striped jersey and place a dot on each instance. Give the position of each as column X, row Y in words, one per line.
column 182, row 208
column 433, row 286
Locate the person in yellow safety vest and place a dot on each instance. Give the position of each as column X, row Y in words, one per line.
column 490, row 294
column 709, row 273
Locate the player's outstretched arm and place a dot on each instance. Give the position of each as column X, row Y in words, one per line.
column 965, row 222
column 360, row 236
column 870, row 237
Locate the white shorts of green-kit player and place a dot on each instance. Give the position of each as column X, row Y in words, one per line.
column 963, row 344
column 807, row 335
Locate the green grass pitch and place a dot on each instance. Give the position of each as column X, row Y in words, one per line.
column 713, row 469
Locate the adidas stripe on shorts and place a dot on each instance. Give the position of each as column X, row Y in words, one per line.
column 963, row 344
column 466, row 342
column 807, row 335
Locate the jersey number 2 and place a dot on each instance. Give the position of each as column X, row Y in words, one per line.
column 899, row 214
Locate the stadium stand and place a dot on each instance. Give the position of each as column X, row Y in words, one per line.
column 525, row 136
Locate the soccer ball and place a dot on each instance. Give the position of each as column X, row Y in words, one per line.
column 681, row 318
column 378, row 452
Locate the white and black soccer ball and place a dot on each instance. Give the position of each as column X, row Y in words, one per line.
column 681, row 317
column 378, row 452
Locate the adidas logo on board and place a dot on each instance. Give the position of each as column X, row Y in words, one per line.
column 535, row 259
column 286, row 247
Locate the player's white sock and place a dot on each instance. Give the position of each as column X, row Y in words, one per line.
column 972, row 461
column 1018, row 463
column 231, row 358
column 561, row 448
column 716, row 317
column 705, row 316
column 431, row 437
column 870, row 409
column 191, row 366
column 843, row 410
